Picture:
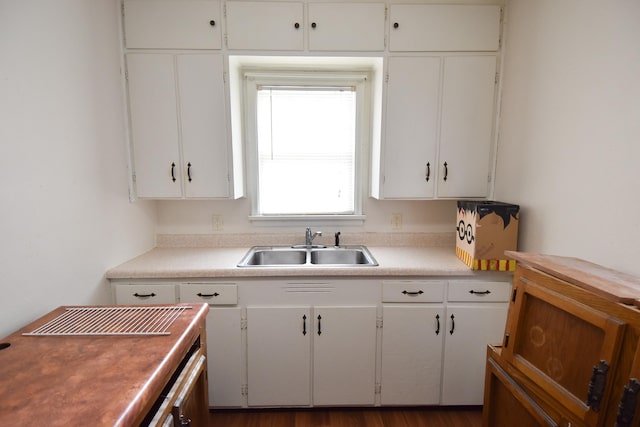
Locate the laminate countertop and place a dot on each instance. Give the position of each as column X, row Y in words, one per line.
column 184, row 262
column 89, row 380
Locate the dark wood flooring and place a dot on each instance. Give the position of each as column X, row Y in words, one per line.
column 350, row 417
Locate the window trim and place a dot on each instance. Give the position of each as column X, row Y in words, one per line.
column 361, row 80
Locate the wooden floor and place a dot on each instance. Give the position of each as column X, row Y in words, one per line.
column 356, row 417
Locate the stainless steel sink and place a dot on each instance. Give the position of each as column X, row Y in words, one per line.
column 261, row 256
column 283, row 256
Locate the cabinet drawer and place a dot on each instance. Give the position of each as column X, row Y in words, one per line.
column 213, row 294
column 478, row 291
column 145, row 294
column 413, row 291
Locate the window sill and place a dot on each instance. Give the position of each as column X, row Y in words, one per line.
column 306, row 220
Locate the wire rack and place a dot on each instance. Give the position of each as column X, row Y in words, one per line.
column 151, row 320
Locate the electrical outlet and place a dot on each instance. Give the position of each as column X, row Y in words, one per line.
column 217, row 222
column 396, row 221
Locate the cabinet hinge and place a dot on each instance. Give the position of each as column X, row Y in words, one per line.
column 133, row 177
column 378, row 388
column 386, row 78
column 379, row 322
column 224, row 77
column 497, row 77
column 244, row 390
column 226, row 41
column 243, row 324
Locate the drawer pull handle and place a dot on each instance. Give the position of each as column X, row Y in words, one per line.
column 319, row 325
column 201, row 295
column 627, row 406
column 173, row 174
column 446, row 171
column 437, row 324
column 597, row 385
column 453, row 324
column 428, row 174
column 189, row 171
column 413, row 294
column 487, row 292
column 144, row 295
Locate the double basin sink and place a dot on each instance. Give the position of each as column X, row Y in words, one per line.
column 308, row 256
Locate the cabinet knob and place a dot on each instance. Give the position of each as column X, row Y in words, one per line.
column 297, row 25
column 313, row 25
column 396, row 25
column 212, row 23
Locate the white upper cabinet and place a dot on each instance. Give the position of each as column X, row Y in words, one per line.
column 438, row 127
column 346, row 26
column 411, row 135
column 265, row 25
column 178, row 125
column 434, row 27
column 172, row 24
column 466, row 129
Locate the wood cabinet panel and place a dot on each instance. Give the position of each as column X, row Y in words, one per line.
column 559, row 342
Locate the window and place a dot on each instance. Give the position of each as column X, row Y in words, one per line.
column 304, row 139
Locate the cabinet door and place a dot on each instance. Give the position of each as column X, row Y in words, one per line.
column 344, row 355
column 411, row 122
column 466, row 126
column 224, row 356
column 203, row 125
column 153, row 124
column 172, row 24
column 412, row 336
column 470, row 328
column 567, row 348
column 420, row 27
column 279, row 356
column 506, row 403
column 346, row 26
column 264, row 25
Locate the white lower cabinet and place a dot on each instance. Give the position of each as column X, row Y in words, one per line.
column 342, row 342
column 300, row 356
column 476, row 316
column 412, row 339
column 424, row 341
column 224, row 340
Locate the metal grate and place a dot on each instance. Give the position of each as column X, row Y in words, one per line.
column 152, row 320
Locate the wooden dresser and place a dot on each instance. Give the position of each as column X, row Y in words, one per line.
column 570, row 353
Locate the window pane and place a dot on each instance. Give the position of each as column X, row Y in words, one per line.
column 306, row 150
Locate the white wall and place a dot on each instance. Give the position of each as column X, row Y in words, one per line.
column 195, row 217
column 65, row 216
column 569, row 150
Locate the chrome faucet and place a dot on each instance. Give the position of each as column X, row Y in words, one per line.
column 308, row 240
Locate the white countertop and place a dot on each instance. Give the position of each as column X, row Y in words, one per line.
column 204, row 262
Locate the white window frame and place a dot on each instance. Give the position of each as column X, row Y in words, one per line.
column 360, row 80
